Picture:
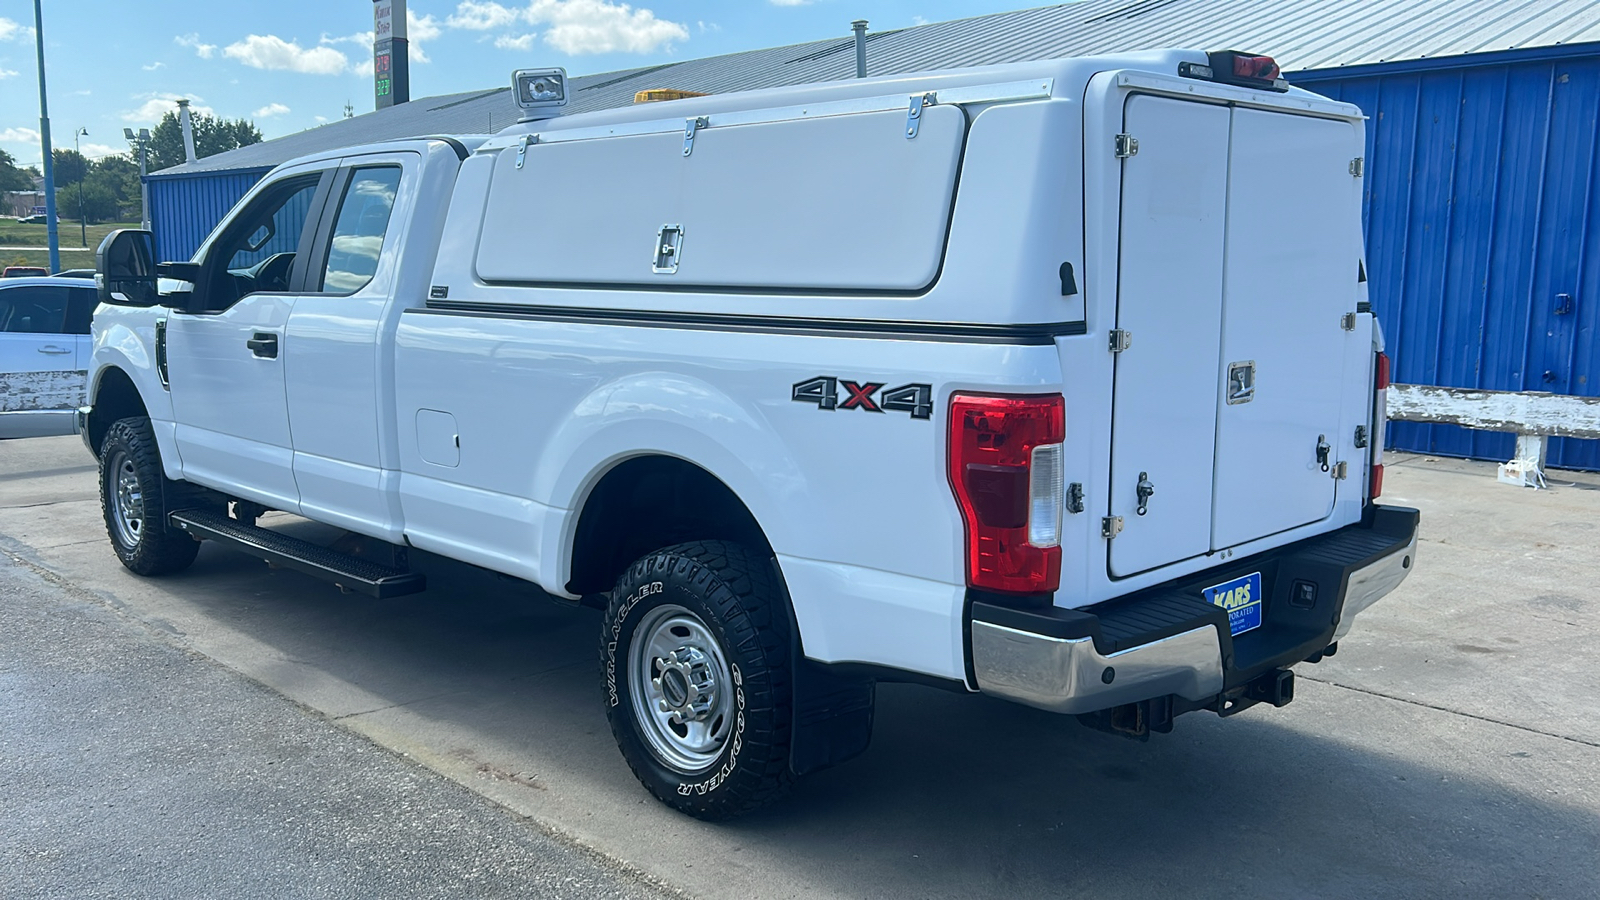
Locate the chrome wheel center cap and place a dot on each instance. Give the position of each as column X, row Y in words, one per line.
column 686, row 684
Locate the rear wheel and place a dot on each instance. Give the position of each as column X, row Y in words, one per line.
column 133, row 492
column 695, row 653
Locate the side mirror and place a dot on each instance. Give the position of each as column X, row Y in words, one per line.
column 125, row 269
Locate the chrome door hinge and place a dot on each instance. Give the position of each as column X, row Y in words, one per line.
column 914, row 112
column 1126, row 145
column 1348, row 321
column 527, row 141
column 1120, row 340
column 1341, row 470
column 1358, row 166
column 690, row 126
column 1110, row 527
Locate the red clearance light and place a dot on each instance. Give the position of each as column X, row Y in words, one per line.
column 1262, row 67
column 1377, row 482
column 993, row 440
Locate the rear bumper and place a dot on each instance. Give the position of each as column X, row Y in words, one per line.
column 1168, row 641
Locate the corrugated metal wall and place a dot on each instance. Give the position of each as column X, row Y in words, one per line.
column 183, row 210
column 1482, row 210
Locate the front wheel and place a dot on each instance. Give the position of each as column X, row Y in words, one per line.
column 695, row 653
column 132, row 498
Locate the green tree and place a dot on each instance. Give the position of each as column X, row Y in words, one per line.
column 212, row 135
column 13, row 178
column 99, row 202
column 70, row 167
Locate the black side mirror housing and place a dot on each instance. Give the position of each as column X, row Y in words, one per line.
column 125, row 269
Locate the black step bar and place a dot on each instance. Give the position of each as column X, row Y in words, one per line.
column 351, row 573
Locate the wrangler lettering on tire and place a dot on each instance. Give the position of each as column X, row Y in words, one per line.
column 695, row 653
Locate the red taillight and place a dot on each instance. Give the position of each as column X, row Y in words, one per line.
column 1381, row 381
column 1005, row 470
column 1376, row 482
column 1263, row 67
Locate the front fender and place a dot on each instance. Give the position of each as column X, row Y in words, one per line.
column 125, row 339
column 657, row 413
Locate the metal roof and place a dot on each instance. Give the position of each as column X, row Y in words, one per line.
column 1301, row 34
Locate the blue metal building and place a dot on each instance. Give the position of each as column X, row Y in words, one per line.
column 1482, row 184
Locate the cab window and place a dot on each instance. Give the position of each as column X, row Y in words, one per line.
column 257, row 254
column 358, row 231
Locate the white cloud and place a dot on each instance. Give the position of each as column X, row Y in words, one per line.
column 790, row 2
column 271, row 109
column 99, row 151
column 83, row 93
column 273, row 53
column 521, row 43
column 7, row 73
column 320, row 119
column 708, row 26
column 158, row 64
column 18, row 136
column 204, row 51
column 14, row 31
column 599, row 26
column 473, row 15
column 421, row 28
column 159, row 104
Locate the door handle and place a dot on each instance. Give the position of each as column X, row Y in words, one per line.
column 264, row 345
column 53, row 350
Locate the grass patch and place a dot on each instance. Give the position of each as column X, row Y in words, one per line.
column 35, row 239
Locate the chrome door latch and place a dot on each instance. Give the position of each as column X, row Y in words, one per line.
column 1146, row 490
column 1323, row 449
column 669, row 247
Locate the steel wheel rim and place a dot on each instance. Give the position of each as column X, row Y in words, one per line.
column 681, row 688
column 127, row 499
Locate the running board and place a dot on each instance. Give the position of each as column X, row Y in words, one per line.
column 348, row 572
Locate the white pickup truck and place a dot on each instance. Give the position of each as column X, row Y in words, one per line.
column 1053, row 381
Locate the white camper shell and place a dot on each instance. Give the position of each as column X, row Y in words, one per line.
column 1053, row 380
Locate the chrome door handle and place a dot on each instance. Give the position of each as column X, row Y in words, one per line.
column 53, row 350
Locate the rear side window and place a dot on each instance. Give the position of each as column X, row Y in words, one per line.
column 33, row 310
column 80, row 310
column 359, row 229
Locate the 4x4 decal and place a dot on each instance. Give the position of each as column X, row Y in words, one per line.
column 916, row 399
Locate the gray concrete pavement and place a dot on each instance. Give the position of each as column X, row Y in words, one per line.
column 1451, row 749
column 132, row 768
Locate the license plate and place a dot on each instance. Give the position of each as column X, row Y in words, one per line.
column 1241, row 597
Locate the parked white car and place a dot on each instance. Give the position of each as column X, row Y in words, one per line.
column 44, row 353
column 1053, row 381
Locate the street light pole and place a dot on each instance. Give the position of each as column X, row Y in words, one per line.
column 142, row 142
column 83, row 217
column 44, row 141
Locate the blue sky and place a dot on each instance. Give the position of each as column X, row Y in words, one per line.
column 292, row 64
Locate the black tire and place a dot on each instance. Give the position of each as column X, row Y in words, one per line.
column 733, row 593
column 133, row 497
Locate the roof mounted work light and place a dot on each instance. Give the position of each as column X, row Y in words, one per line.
column 1233, row 67
column 541, row 93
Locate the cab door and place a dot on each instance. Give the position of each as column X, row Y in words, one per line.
column 225, row 360
column 336, row 344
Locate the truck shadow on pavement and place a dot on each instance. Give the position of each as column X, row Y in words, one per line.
column 1341, row 794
